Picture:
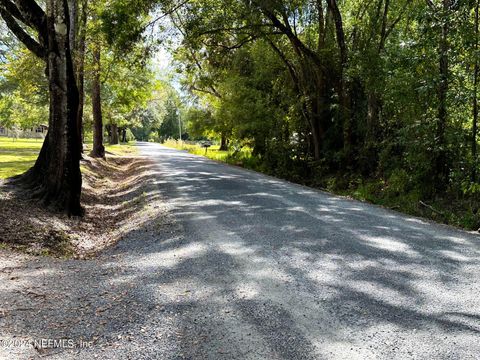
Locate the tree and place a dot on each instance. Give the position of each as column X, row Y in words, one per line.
column 80, row 47
column 23, row 89
column 98, row 149
column 443, row 15
column 475, row 90
column 55, row 177
column 126, row 87
column 169, row 124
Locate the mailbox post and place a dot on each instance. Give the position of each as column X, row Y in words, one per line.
column 206, row 145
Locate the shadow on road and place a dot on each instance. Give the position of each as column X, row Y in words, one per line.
column 246, row 266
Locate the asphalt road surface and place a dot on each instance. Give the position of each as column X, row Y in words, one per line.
column 277, row 270
column 250, row 267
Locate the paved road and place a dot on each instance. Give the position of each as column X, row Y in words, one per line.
column 276, row 270
column 249, row 267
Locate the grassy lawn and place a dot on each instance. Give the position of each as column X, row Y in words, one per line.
column 18, row 156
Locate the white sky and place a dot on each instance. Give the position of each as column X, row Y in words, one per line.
column 162, row 60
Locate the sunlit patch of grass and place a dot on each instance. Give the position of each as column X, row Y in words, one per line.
column 122, row 149
column 17, row 156
column 212, row 152
column 118, row 149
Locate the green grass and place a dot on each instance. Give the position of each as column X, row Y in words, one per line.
column 17, row 156
column 212, row 152
column 122, row 149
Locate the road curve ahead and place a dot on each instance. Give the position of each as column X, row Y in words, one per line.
column 265, row 269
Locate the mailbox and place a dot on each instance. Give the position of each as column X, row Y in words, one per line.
column 206, row 145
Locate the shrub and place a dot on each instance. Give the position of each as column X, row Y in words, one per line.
column 398, row 183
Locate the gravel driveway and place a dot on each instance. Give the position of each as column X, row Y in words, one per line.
column 243, row 266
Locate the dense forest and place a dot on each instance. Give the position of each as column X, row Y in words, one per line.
column 378, row 97
column 375, row 98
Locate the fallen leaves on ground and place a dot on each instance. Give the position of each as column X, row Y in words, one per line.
column 115, row 195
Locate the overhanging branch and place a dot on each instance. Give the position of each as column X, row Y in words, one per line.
column 33, row 14
column 22, row 35
column 12, row 9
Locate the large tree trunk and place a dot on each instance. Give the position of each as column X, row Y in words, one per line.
column 80, row 56
column 370, row 151
column 223, row 143
column 475, row 97
column 373, row 117
column 56, row 174
column 316, row 116
column 341, row 83
column 346, row 116
column 440, row 154
column 98, row 148
column 316, row 139
column 72, row 32
column 113, row 134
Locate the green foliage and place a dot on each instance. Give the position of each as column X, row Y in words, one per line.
column 124, row 28
column 169, row 127
column 130, row 136
column 398, row 183
column 376, row 103
column 23, row 90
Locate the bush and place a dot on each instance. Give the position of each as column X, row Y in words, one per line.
column 129, row 135
column 369, row 191
column 153, row 137
column 398, row 183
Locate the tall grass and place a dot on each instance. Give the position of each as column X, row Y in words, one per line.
column 213, row 152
